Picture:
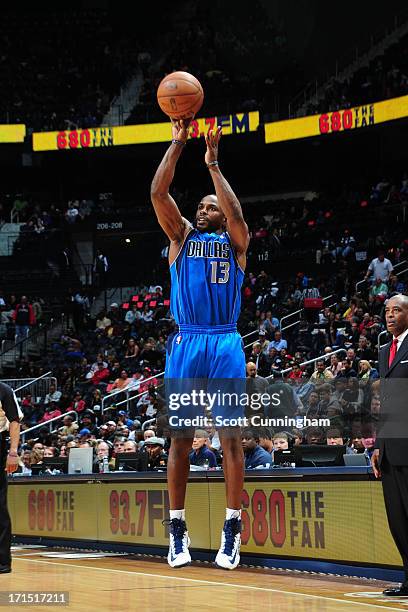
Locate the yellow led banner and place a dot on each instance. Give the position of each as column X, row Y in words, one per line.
column 12, row 133
column 337, row 121
column 65, row 510
column 133, row 512
column 338, row 520
column 101, row 137
column 318, row 520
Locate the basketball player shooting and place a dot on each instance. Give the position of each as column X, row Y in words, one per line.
column 207, row 262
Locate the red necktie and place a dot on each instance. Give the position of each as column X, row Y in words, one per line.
column 393, row 351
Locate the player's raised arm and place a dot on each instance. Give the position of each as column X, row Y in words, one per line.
column 164, row 205
column 227, row 200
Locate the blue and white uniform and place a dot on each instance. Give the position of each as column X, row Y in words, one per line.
column 205, row 301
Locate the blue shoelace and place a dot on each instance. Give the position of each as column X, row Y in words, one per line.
column 231, row 528
column 177, row 528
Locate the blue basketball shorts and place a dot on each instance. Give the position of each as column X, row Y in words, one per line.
column 206, row 365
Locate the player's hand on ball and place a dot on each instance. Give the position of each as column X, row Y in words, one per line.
column 179, row 129
column 212, row 139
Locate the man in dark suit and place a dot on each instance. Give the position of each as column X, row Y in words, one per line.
column 390, row 459
column 10, row 417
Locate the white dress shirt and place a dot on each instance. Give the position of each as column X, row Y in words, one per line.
column 401, row 338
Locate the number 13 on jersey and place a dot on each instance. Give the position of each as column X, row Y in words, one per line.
column 220, row 271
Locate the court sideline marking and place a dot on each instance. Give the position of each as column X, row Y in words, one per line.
column 211, row 582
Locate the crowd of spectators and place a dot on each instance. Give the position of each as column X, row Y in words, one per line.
column 385, row 77
column 42, row 53
column 243, row 65
column 331, row 228
column 19, row 316
column 122, row 351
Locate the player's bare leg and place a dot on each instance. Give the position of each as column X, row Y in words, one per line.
column 178, row 467
column 233, row 466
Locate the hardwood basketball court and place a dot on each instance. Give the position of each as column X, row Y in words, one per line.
column 129, row 582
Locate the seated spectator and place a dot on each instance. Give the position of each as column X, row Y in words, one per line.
column 297, row 437
column 280, row 441
column 378, row 292
column 103, row 449
column 265, row 439
column 353, row 397
column 364, row 350
column 366, row 371
column 25, row 462
column 132, row 351
column 351, row 354
column 73, row 348
column 347, row 370
column 130, row 446
column 296, row 373
column 326, row 399
column 133, row 315
column 311, row 404
column 108, row 431
column 100, row 377
column 148, row 382
column 334, row 437
column 396, row 285
column 95, row 400
column 84, row 435
column 315, row 435
column 255, row 455
column 157, row 458
column 321, row 374
column 147, row 314
column 53, row 395
column 78, row 404
column 201, row 455
column 278, row 342
column 335, row 366
column 69, row 426
column 51, row 411
column 263, row 341
column 369, row 445
column 272, row 362
column 118, row 444
column 102, row 322
column 366, row 323
column 95, row 365
column 270, row 324
column 36, row 457
column 32, row 412
column 86, row 421
column 120, row 383
column 148, row 433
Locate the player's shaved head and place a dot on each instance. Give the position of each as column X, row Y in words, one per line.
column 209, row 216
column 210, row 197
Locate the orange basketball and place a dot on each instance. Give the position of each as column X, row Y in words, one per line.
column 180, row 95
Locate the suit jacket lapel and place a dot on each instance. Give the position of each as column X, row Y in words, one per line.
column 402, row 352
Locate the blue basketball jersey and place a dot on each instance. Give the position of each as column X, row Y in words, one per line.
column 206, row 281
